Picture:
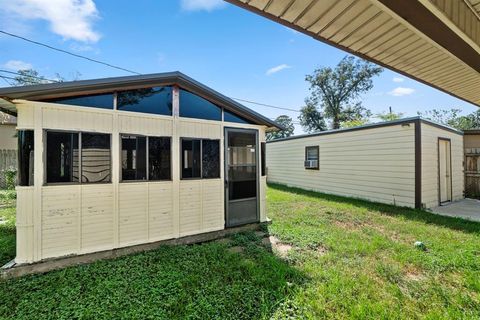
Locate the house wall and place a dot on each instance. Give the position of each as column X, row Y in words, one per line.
column 59, row 220
column 472, row 140
column 376, row 164
column 430, row 182
column 8, row 141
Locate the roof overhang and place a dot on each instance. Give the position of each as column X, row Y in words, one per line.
column 96, row 86
column 436, row 42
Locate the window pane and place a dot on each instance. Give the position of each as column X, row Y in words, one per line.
column 242, row 182
column 210, row 158
column 193, row 106
column 312, row 153
column 159, row 158
column 62, row 157
column 156, row 100
column 25, row 157
column 104, row 101
column 96, row 160
column 190, row 158
column 134, row 160
column 264, row 163
column 230, row 117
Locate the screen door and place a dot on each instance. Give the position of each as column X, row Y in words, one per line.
column 445, row 168
column 241, row 176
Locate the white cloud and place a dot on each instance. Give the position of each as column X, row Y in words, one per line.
column 198, row 5
column 16, row 65
column 398, row 79
column 401, row 91
column 71, row 19
column 277, row 69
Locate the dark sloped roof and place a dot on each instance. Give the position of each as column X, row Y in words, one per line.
column 75, row 88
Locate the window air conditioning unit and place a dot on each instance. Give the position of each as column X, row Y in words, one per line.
column 311, row 164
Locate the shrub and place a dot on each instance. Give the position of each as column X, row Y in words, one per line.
column 10, row 178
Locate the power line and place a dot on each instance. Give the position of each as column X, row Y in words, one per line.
column 68, row 52
column 5, row 79
column 266, row 105
column 111, row 66
column 27, row 75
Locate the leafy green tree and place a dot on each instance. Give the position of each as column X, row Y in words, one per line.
column 354, row 123
column 287, row 123
column 452, row 118
column 336, row 92
column 390, row 115
column 311, row 119
column 29, row 77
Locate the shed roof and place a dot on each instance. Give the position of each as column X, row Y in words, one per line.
column 372, row 126
column 436, row 42
column 95, row 86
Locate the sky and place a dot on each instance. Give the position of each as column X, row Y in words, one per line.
column 229, row 49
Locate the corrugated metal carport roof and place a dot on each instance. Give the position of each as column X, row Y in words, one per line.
column 436, row 42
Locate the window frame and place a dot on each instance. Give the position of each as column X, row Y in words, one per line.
column 79, row 182
column 147, row 159
column 201, row 158
column 318, row 157
column 263, row 160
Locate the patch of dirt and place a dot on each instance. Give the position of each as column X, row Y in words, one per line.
column 236, row 249
column 321, row 250
column 275, row 244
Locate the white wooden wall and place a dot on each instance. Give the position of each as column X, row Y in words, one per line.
column 59, row 220
column 430, row 184
column 376, row 164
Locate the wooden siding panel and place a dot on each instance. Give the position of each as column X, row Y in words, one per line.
column 145, row 124
column 60, row 220
column 97, row 217
column 76, row 119
column 376, row 164
column 190, row 207
column 160, row 211
column 133, row 200
column 430, row 135
column 212, row 206
column 24, row 224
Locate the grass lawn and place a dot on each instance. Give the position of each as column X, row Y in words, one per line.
column 349, row 259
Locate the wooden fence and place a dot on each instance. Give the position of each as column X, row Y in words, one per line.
column 472, row 173
column 8, row 160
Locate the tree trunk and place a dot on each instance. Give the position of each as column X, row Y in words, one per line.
column 336, row 122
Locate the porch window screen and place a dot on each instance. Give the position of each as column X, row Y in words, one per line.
column 25, row 157
column 70, row 155
column 200, row 158
column 146, row 158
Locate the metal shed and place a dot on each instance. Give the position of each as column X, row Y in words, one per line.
column 410, row 162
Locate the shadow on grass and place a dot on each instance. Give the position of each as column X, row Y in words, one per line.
column 205, row 281
column 423, row 216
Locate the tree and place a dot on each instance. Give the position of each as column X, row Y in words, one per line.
column 390, row 115
column 336, row 91
column 311, row 119
column 354, row 123
column 29, row 77
column 453, row 118
column 287, row 123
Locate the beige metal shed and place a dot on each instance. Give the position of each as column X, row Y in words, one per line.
column 410, row 162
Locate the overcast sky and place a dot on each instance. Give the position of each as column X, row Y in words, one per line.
column 236, row 52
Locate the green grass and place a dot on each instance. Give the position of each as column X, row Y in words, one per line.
column 7, row 226
column 351, row 259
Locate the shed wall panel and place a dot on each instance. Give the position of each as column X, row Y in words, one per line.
column 375, row 164
column 430, row 182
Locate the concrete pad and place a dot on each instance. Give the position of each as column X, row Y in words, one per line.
column 468, row 209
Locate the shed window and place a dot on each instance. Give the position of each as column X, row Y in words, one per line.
column 159, row 158
column 96, row 161
column 62, row 157
column 104, row 101
column 200, row 158
column 312, row 157
column 25, row 157
column 157, row 100
column 134, row 158
column 231, row 117
column 146, row 158
column 193, row 106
